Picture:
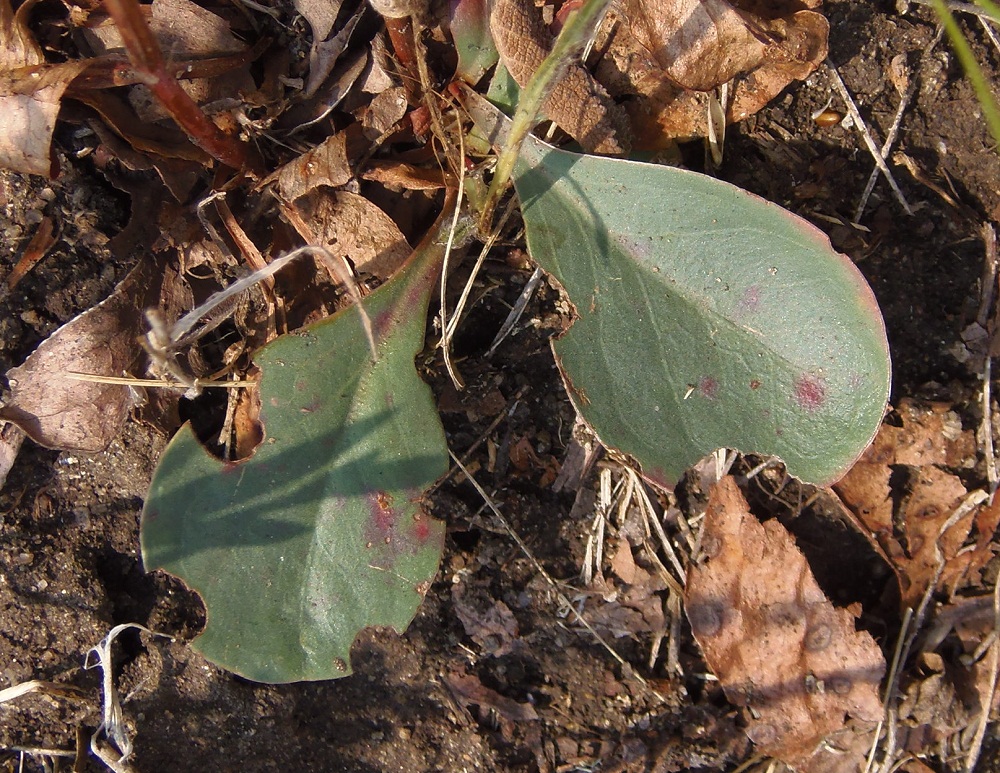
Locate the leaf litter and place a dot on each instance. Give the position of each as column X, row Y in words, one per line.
column 930, row 485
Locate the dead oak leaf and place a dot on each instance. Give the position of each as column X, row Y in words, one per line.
column 776, row 643
column 351, row 226
column 680, row 50
column 700, row 44
column 57, row 411
column 30, row 95
column 903, row 501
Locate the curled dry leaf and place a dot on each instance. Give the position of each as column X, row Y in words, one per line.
column 351, row 226
column 776, row 643
column 30, row 92
column 57, row 411
column 700, row 44
column 902, row 500
column 678, row 50
column 577, row 103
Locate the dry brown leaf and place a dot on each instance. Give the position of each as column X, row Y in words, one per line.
column 488, row 622
column 327, row 164
column 30, row 93
column 351, row 226
column 185, row 31
column 398, row 175
column 321, row 15
column 59, row 412
column 776, row 643
column 468, row 690
column 902, row 500
column 385, row 111
column 700, row 44
column 760, row 50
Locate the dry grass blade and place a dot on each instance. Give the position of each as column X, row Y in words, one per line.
column 112, row 724
column 567, row 604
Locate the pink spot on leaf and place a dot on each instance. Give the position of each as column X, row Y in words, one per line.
column 708, row 387
column 810, row 393
column 750, row 300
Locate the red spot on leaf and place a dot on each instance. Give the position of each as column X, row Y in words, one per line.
column 755, row 384
column 810, row 393
column 421, row 531
column 708, row 387
column 751, row 299
column 382, row 520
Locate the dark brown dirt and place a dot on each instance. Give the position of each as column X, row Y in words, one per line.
column 69, row 564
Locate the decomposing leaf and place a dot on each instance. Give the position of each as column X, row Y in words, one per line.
column 327, row 164
column 679, row 50
column 385, row 111
column 776, row 643
column 903, row 500
column 488, row 622
column 351, row 226
column 320, row 532
column 468, row 690
column 30, row 94
column 698, row 320
column 57, row 411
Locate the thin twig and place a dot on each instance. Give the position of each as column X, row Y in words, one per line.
column 986, row 701
column 552, row 583
column 456, row 379
column 890, row 139
column 862, row 127
column 517, row 311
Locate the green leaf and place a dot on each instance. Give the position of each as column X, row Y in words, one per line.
column 707, row 317
column 320, row 533
column 470, row 28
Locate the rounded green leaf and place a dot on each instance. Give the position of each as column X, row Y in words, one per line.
column 707, row 317
column 320, row 533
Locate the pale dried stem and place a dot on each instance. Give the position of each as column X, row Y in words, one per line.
column 113, row 719
column 517, row 311
column 862, row 128
column 456, row 379
column 986, row 310
column 986, row 701
column 890, row 140
column 567, row 604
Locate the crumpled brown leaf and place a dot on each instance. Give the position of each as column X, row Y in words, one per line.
column 679, row 50
column 488, row 622
column 351, row 226
column 776, row 643
column 59, row 412
column 30, row 94
column 700, row 44
column 902, row 498
column 468, row 690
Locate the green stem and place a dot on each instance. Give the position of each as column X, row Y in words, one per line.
column 972, row 70
column 573, row 37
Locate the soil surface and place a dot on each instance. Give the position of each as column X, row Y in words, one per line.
column 546, row 695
